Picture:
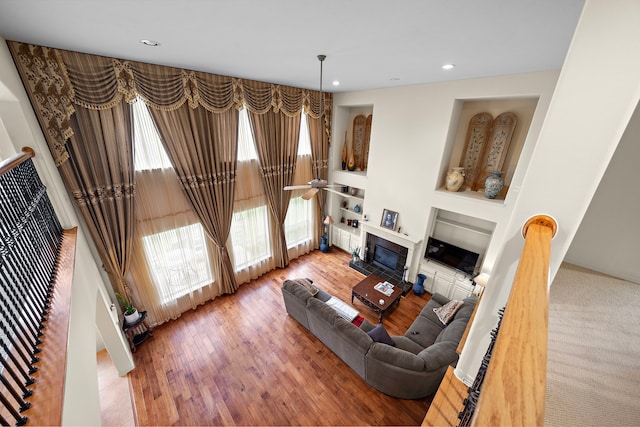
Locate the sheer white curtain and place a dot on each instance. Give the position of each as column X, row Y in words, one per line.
column 172, row 264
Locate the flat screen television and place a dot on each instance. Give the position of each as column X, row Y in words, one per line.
column 451, row 255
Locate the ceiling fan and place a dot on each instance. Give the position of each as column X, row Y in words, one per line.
column 313, row 186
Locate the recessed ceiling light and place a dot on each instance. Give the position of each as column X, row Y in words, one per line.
column 395, row 79
column 149, row 42
column 336, row 83
column 448, row 66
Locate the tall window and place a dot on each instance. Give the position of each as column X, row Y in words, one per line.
column 172, row 239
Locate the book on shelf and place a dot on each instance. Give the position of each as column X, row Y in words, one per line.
column 384, row 287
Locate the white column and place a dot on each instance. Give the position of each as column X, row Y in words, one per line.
column 596, row 94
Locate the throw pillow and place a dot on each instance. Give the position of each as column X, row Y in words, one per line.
column 307, row 284
column 447, row 311
column 380, row 334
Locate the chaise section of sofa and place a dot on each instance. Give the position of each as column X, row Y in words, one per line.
column 411, row 368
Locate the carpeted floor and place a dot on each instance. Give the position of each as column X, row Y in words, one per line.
column 593, row 369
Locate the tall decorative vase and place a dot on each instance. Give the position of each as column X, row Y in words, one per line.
column 324, row 246
column 344, row 152
column 455, row 179
column 418, row 288
column 493, row 184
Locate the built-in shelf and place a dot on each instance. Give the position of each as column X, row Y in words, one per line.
column 343, row 194
column 466, row 227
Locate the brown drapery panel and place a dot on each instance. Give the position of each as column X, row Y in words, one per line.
column 319, row 165
column 276, row 136
column 60, row 83
column 203, row 148
column 100, row 176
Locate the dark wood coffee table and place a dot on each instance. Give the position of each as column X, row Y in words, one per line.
column 371, row 297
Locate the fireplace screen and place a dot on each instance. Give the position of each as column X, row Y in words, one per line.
column 385, row 257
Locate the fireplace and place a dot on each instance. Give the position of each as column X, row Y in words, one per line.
column 383, row 258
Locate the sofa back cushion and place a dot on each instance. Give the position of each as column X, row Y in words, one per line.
column 439, row 355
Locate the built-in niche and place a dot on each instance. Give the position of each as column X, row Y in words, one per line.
column 462, row 231
column 353, row 138
column 495, row 113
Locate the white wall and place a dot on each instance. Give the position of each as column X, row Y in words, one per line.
column 408, row 151
column 568, row 148
column 590, row 110
column 608, row 239
column 20, row 128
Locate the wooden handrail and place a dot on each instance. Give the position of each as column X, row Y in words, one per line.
column 13, row 161
column 513, row 390
column 48, row 388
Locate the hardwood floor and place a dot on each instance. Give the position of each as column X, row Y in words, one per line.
column 241, row 360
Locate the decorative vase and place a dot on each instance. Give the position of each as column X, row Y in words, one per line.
column 356, row 208
column 324, row 246
column 418, row 288
column 131, row 318
column 354, row 191
column 352, row 163
column 455, row 179
column 344, row 152
column 493, row 184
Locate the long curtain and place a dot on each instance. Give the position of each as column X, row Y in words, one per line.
column 319, row 163
column 203, row 149
column 81, row 102
column 100, row 177
column 276, row 136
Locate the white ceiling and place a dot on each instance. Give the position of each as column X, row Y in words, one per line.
column 369, row 43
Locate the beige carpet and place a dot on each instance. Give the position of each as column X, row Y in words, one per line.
column 593, row 370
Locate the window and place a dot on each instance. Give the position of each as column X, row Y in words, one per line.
column 304, row 142
column 246, row 146
column 149, row 152
column 178, row 261
column 250, row 237
column 298, row 223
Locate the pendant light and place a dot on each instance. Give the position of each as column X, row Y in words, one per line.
column 321, row 58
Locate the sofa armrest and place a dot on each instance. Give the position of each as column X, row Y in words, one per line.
column 438, row 355
column 396, row 357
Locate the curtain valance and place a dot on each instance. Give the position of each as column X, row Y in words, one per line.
column 58, row 80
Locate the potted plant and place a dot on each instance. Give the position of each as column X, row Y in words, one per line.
column 130, row 312
column 355, row 253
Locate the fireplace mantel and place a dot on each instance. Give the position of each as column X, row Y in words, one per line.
column 405, row 240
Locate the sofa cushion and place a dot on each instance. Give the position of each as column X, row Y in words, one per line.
column 438, row 355
column 380, row 334
column 446, row 312
column 406, row 344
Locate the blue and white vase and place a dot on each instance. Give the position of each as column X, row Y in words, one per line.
column 493, row 184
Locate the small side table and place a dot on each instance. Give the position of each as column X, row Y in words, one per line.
column 138, row 331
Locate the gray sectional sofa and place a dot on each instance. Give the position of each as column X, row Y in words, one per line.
column 409, row 366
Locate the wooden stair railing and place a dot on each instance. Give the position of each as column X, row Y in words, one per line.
column 510, row 386
column 37, row 259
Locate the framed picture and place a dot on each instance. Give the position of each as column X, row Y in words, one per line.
column 389, row 219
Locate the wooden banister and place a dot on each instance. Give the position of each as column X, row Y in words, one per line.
column 513, row 389
column 13, row 161
column 37, row 258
